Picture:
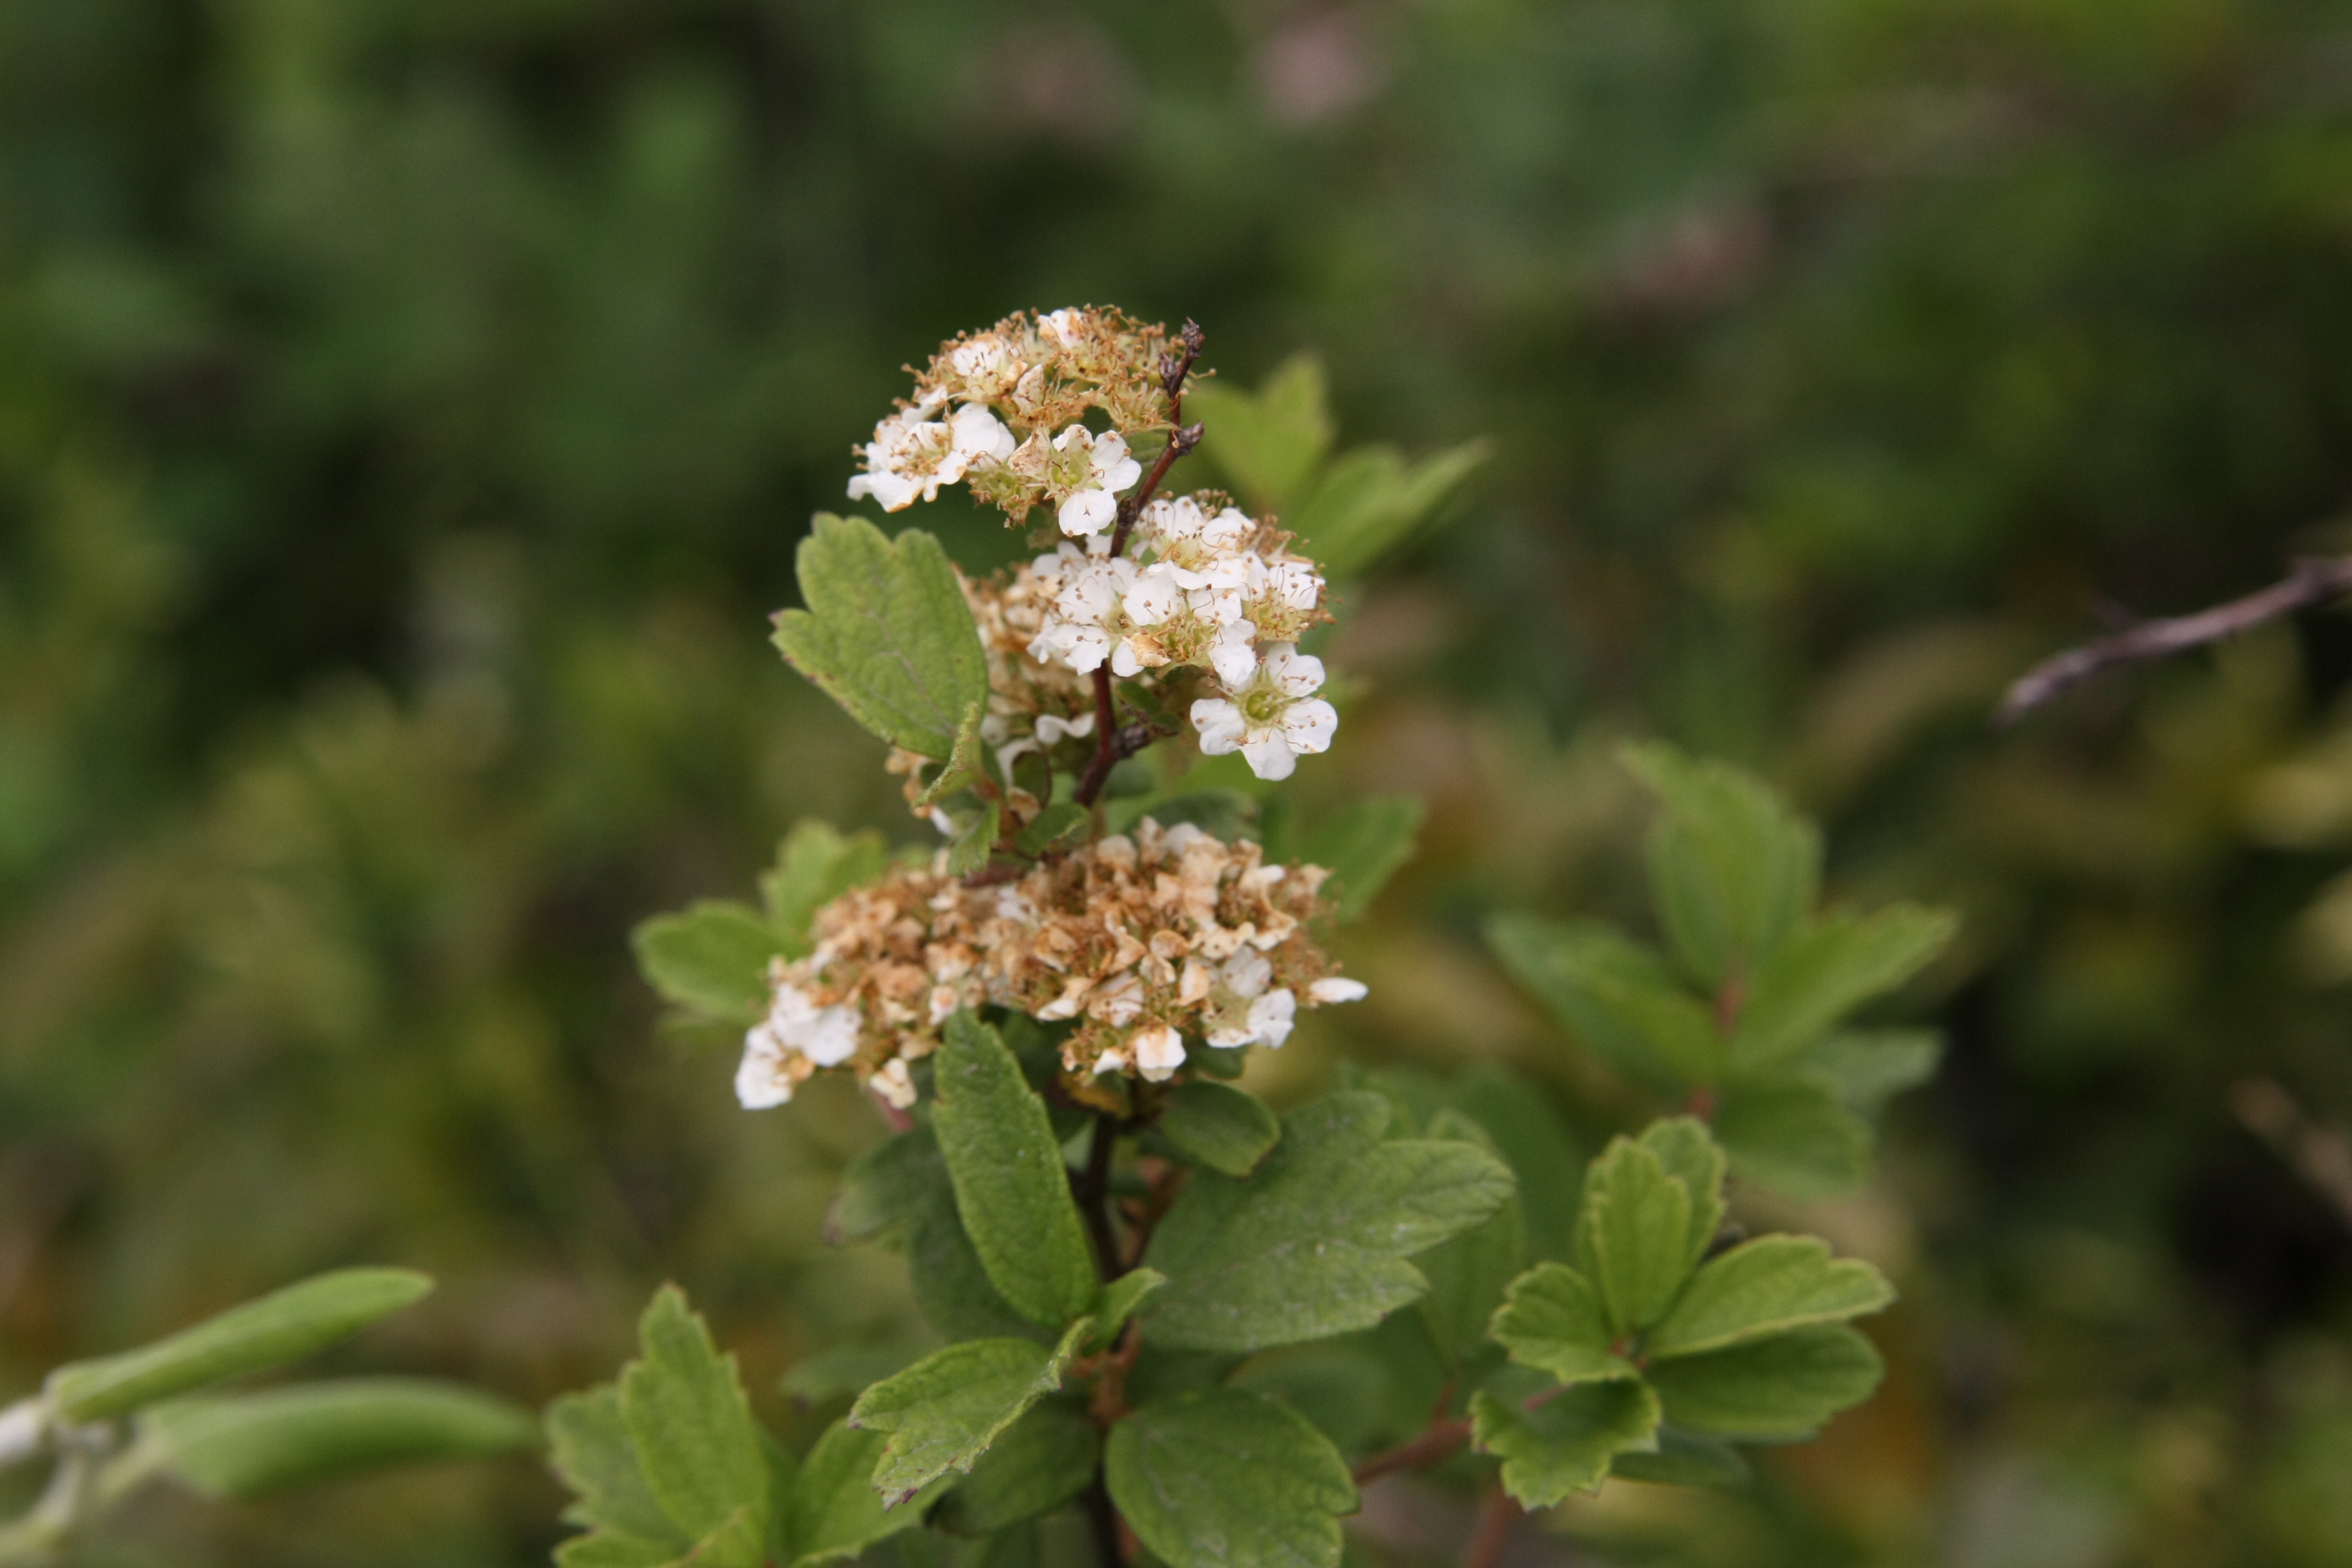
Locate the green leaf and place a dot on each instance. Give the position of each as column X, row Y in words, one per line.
column 1268, row 443
column 1615, row 995
column 1371, row 501
column 1767, row 1286
column 243, row 1446
column 1314, row 1243
column 1693, row 1158
column 951, row 1284
column 1118, row 1300
column 713, row 957
column 1011, row 1186
column 1790, row 1133
column 886, row 1187
column 1466, row 1275
column 1552, row 1319
column 845, row 1369
column 280, row 1327
column 967, row 763
column 1050, row 826
column 1827, row 968
column 814, row 866
column 1224, row 1128
column 1731, row 867
column 943, row 1412
column 887, row 633
column 1220, row 1478
column 1566, row 1444
column 689, row 1421
column 739, row 1542
column 590, row 1448
column 1363, row 847
column 1867, row 1065
column 611, row 1549
column 976, row 832
column 1042, row 1461
column 833, row 1511
column 1785, row 1386
column 1517, row 1115
column 1634, row 1243
column 1684, row 1459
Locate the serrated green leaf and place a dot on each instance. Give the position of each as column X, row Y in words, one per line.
column 951, row 1285
column 271, row 1330
column 1767, row 1286
column 942, row 1413
column 1042, row 1461
column 1270, row 442
column 976, row 832
column 967, row 763
column 1467, row 1275
column 886, row 1187
column 1552, row 1319
column 590, row 1449
column 1790, row 1133
column 1615, row 995
column 1785, row 1386
column 1011, row 1187
column 1315, row 1242
column 815, row 865
column 1732, row 868
column 1224, row 1128
column 1684, row 1459
column 1634, row 1242
column 1542, row 1152
column 611, row 1549
column 833, row 1511
column 246, row 1446
column 887, row 633
column 1050, row 826
column 712, row 958
column 1823, row 970
column 1868, row 1065
column 1566, row 1444
column 1692, row 1157
column 1119, row 1299
column 740, row 1543
column 845, row 1369
column 1363, row 847
column 1221, row 1479
column 689, row 1421
column 1371, row 501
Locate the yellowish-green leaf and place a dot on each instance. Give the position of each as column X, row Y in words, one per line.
column 1553, row 1320
column 1784, row 1386
column 1566, row 1444
column 712, row 958
column 245, row 1446
column 1767, row 1286
column 689, row 1421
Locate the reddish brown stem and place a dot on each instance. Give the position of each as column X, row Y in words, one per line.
column 1093, row 1196
column 1497, row 1515
column 1433, row 1446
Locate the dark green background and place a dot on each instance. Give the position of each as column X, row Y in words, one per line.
column 407, row 409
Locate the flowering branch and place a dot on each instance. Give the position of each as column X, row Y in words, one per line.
column 2310, row 583
column 1181, row 438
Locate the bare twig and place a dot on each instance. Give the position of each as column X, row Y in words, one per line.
column 2321, row 1156
column 1093, row 1196
column 2310, row 583
column 1433, row 1446
column 1497, row 1515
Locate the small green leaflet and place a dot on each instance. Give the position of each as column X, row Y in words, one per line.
column 1867, row 1065
column 942, row 1413
column 1784, row 1386
column 1691, row 1157
column 1466, row 1275
column 833, row 1511
column 1684, row 1459
column 590, row 1448
column 1792, row 1133
column 1050, row 826
column 1732, row 868
column 1224, row 1128
column 1763, row 1287
column 1362, row 846
column 689, row 1423
column 1217, row 1477
column 1315, row 1242
column 887, row 633
column 1041, row 1462
column 1617, row 996
column 1011, row 1186
column 271, row 1330
column 843, row 1369
column 814, row 866
column 1567, row 1443
column 1269, row 442
column 1118, row 1300
column 713, row 957
column 1634, row 1243
column 1373, row 501
column 967, row 764
column 1826, row 969
column 1552, row 1320
column 245, row 1446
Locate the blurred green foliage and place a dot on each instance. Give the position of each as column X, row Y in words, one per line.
column 408, row 410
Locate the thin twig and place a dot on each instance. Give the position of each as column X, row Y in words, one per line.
column 1432, row 1446
column 1105, row 1521
column 1181, row 438
column 2322, row 1157
column 1093, row 1196
column 2310, row 583
column 1497, row 1515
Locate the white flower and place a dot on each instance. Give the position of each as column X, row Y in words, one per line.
column 1233, row 658
column 1227, row 529
column 979, row 434
column 1159, row 1052
column 893, row 1084
column 796, row 1027
column 761, row 1082
column 1091, row 507
column 1156, row 596
column 1271, row 717
column 1270, row 1018
column 911, row 455
column 1051, row 728
column 1337, row 988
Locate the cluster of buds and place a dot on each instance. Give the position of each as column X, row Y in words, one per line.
column 1004, row 410
column 1144, row 942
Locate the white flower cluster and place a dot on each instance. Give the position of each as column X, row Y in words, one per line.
column 1214, row 589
